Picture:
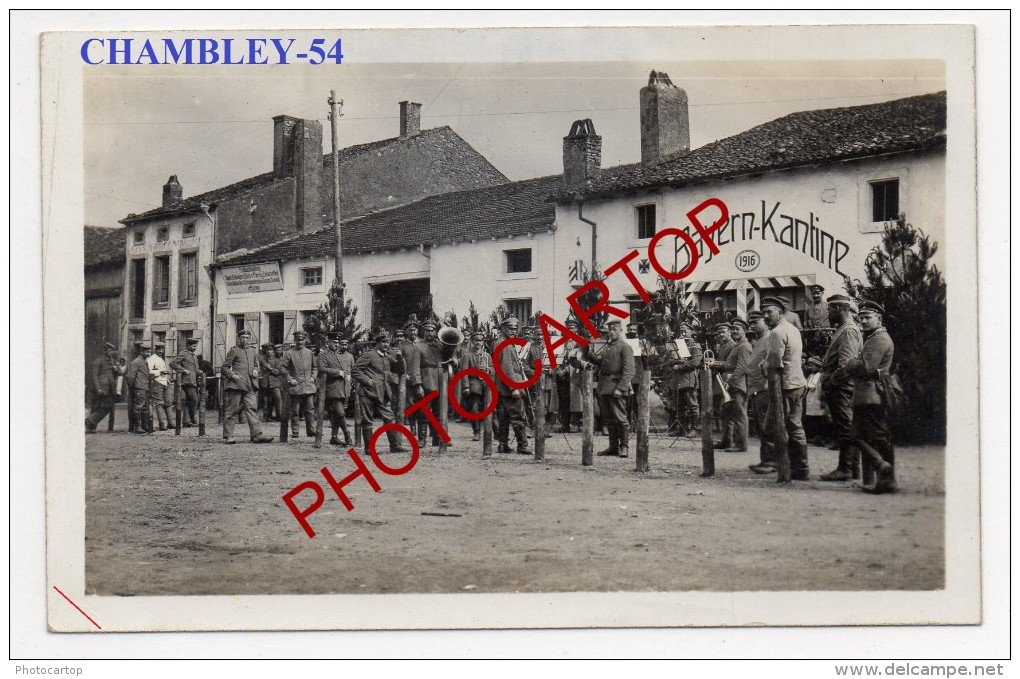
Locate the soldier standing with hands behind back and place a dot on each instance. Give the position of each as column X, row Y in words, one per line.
column 240, row 388
column 301, row 371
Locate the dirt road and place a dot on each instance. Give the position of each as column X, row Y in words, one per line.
column 189, row 515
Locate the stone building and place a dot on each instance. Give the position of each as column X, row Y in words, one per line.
column 104, row 286
column 169, row 249
column 808, row 195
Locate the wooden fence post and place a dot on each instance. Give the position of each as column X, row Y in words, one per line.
column 201, row 403
column 644, row 384
column 777, row 420
column 587, row 419
column 487, row 424
column 177, row 404
column 707, row 443
column 320, row 407
column 444, row 406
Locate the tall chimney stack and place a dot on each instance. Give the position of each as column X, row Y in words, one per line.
column 410, row 119
column 172, row 192
column 283, row 146
column 297, row 153
column 665, row 123
column 582, row 154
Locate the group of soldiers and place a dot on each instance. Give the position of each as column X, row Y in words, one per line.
column 770, row 341
column 146, row 384
column 395, row 371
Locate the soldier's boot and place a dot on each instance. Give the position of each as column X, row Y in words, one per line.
column 348, row 439
column 310, row 425
column 503, row 436
column 146, row 423
column 294, row 425
column 161, row 417
column 614, row 440
column 366, row 434
column 396, row 446
column 521, row 432
column 842, row 470
column 622, row 442
column 854, row 461
column 422, row 432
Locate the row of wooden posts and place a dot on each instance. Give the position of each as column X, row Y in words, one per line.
column 776, row 423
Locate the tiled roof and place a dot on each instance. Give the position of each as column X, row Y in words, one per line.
column 436, row 135
column 795, row 140
column 104, row 246
column 511, row 209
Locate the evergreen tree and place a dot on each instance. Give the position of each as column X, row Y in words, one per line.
column 338, row 314
column 902, row 277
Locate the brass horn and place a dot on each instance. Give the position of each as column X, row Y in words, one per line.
column 451, row 338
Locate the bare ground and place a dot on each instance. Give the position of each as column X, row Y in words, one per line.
column 189, row 515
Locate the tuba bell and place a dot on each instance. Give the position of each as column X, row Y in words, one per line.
column 451, row 338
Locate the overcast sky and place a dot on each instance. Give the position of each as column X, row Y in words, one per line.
column 213, row 127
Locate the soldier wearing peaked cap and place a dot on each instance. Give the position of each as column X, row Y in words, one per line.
column 301, row 371
column 159, row 385
column 240, row 384
column 426, row 364
column 338, row 366
column 817, row 310
column 870, row 428
column 783, row 358
column 568, row 383
column 616, row 372
column 129, row 385
column 474, row 395
column 185, row 364
column 510, row 410
column 376, row 383
column 838, row 386
column 105, row 371
column 758, row 393
column 738, row 367
column 722, row 366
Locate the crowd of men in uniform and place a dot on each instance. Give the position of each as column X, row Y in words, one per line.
column 394, row 371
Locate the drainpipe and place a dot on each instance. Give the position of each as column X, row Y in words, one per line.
column 594, row 233
column 211, row 344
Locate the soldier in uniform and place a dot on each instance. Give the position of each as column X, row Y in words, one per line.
column 240, row 384
column 159, row 385
column 534, row 351
column 417, row 423
column 105, row 371
column 682, row 383
column 783, row 357
column 870, row 428
column 138, row 362
column 616, row 372
column 426, row 362
column 140, row 382
column 510, row 410
column 275, row 380
column 301, row 370
column 264, row 360
column 474, row 398
column 721, row 367
column 817, row 312
column 568, row 385
column 186, row 367
column 758, row 393
column 337, row 365
column 838, row 386
column 376, row 381
column 739, row 366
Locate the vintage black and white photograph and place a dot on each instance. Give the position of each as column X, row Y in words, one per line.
column 520, row 324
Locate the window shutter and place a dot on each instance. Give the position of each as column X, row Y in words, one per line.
column 220, row 341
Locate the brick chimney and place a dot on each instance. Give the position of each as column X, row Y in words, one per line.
column 665, row 123
column 297, row 153
column 582, row 154
column 410, row 119
column 172, row 192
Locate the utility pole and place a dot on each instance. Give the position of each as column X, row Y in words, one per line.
column 335, row 111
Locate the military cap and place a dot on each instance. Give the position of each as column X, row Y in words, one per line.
column 755, row 316
column 267, row 345
column 867, row 306
column 774, row 301
column 816, row 286
column 335, row 337
column 159, row 345
column 278, row 346
column 381, row 336
column 412, row 324
column 478, row 334
column 813, row 362
column 722, row 327
column 138, row 343
column 615, row 321
column 429, row 323
column 300, row 333
column 110, row 346
column 739, row 321
column 838, row 299
column 192, row 341
column 510, row 320
column 399, row 331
